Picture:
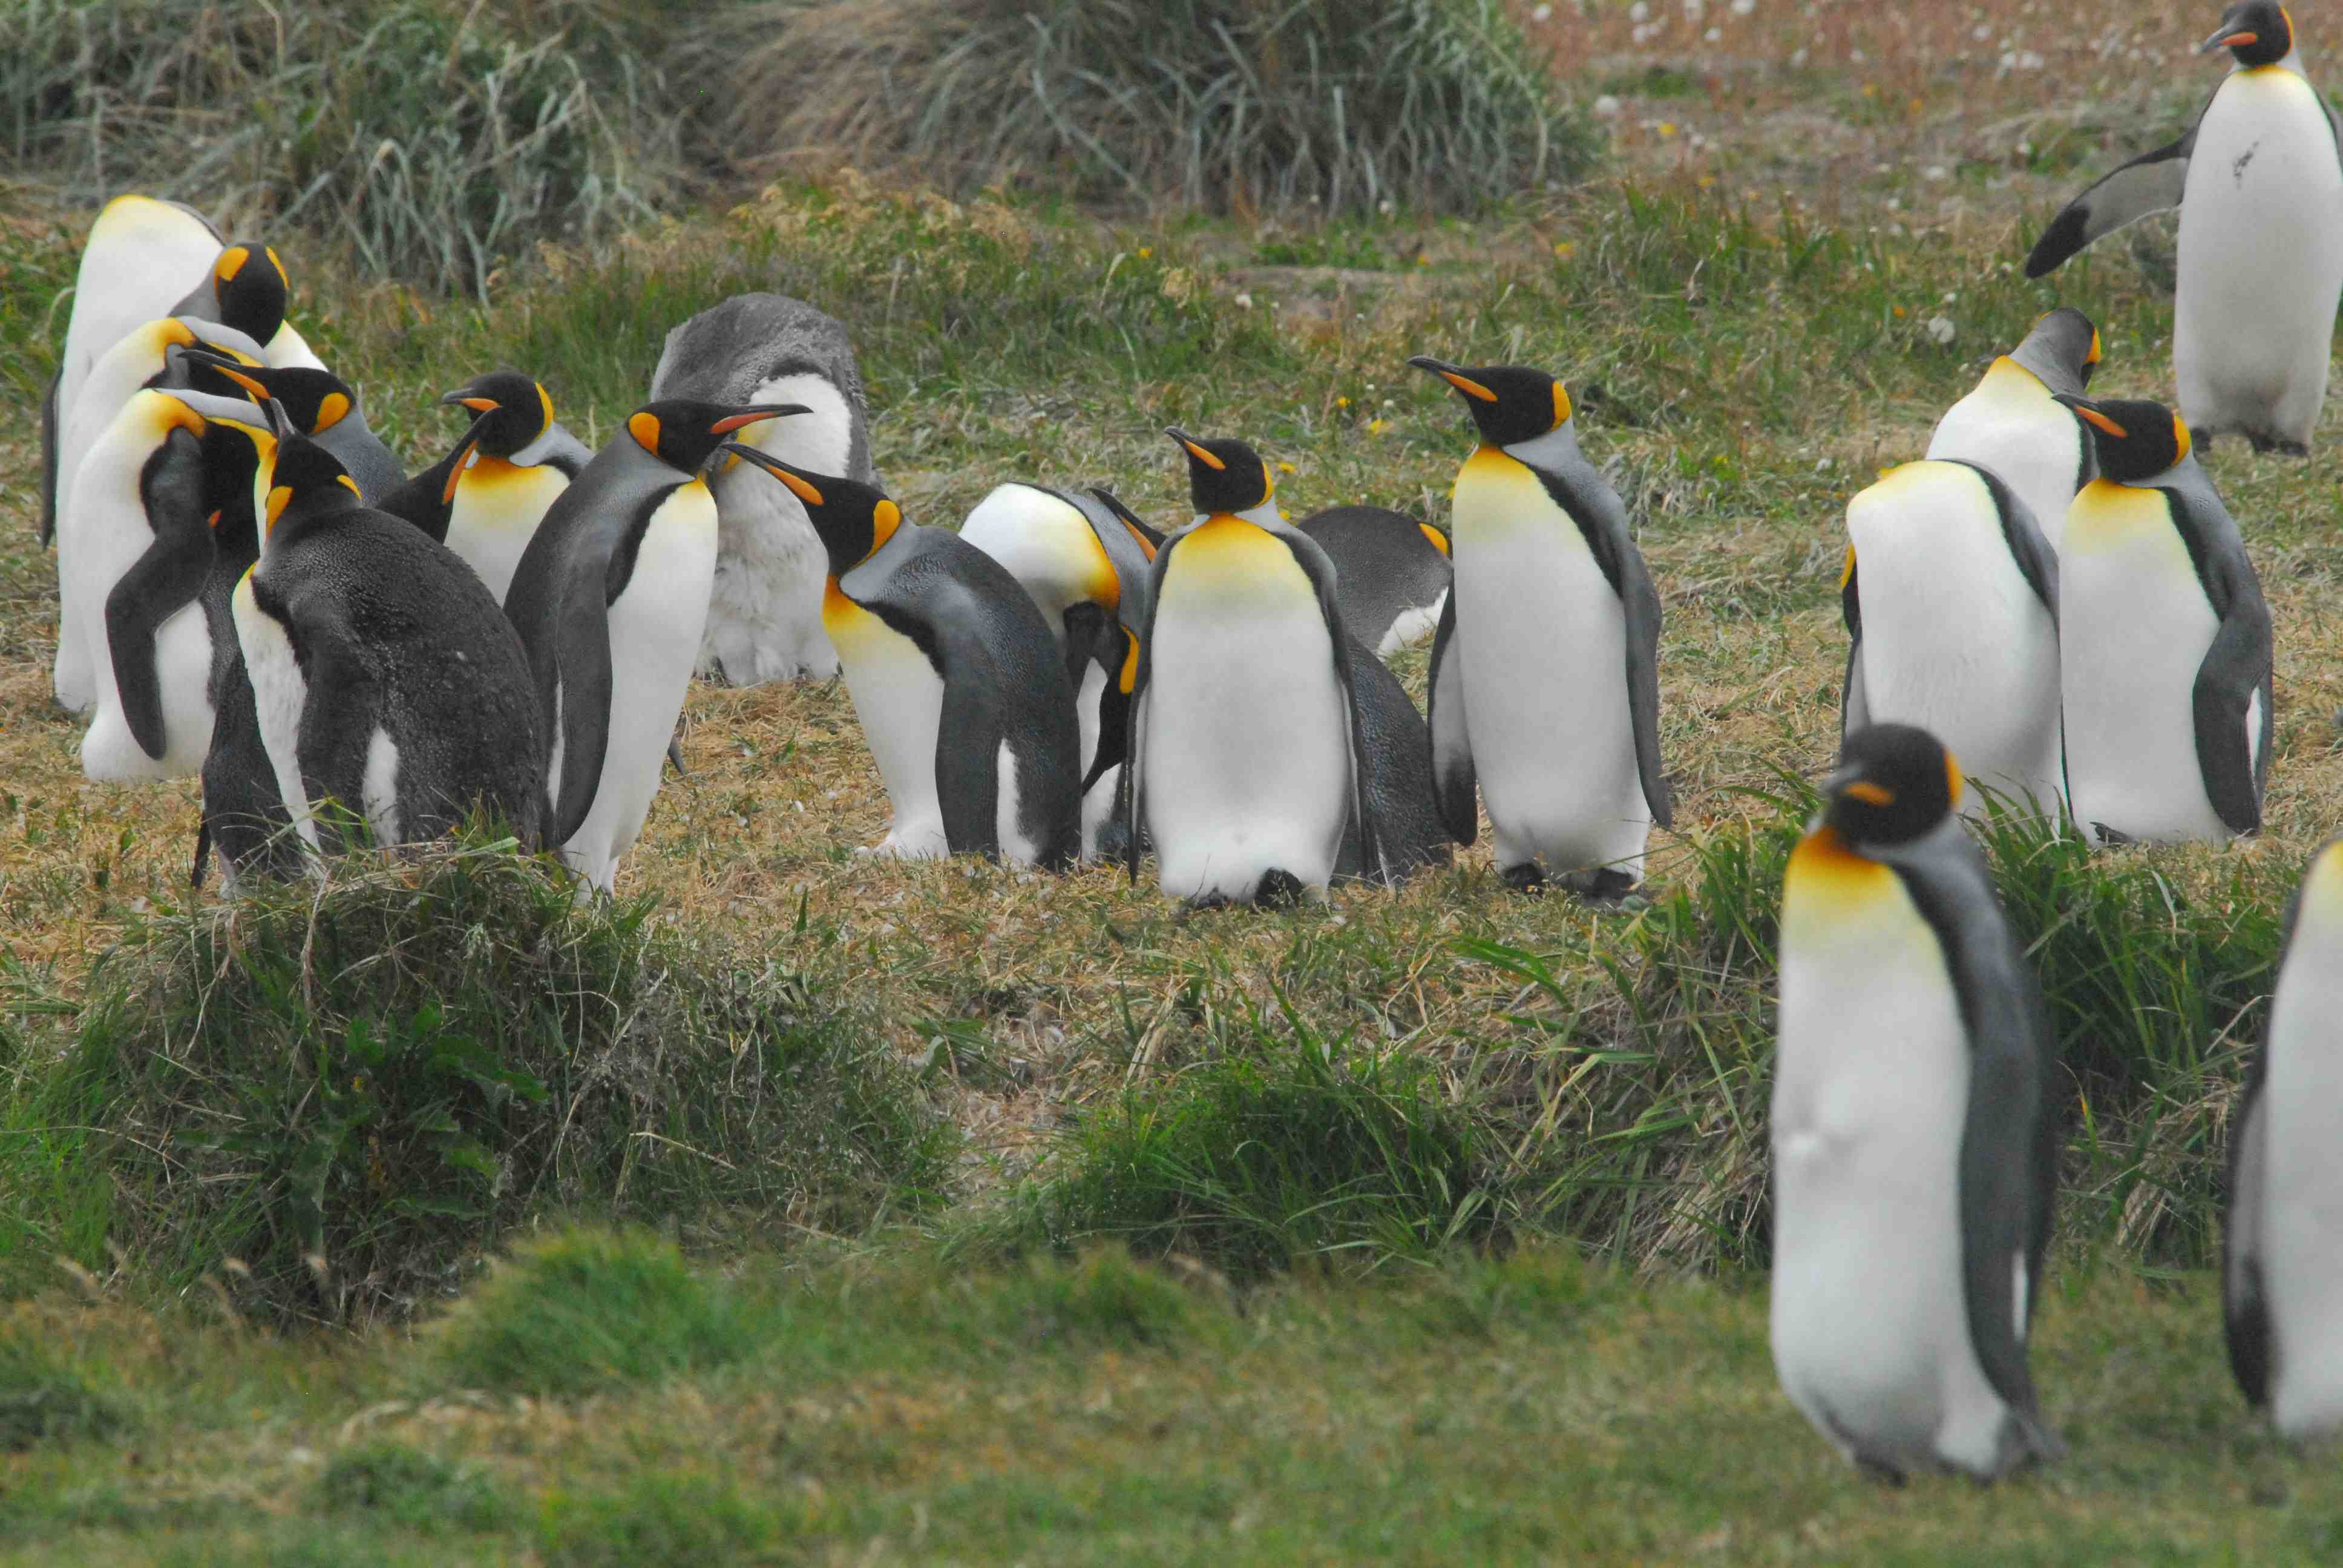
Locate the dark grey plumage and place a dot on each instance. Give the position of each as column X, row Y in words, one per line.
column 1386, row 567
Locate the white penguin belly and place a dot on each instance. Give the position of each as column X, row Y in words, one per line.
column 765, row 610
column 899, row 700
column 2302, row 1180
column 1954, row 641
column 2135, row 625
column 2012, row 426
column 655, row 625
column 279, row 693
column 2260, row 259
column 1247, row 755
column 1869, row 1319
column 497, row 509
column 82, row 429
column 1542, row 641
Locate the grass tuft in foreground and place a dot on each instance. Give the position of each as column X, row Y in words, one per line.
column 43, row 1399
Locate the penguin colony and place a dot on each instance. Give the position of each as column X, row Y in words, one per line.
column 2052, row 606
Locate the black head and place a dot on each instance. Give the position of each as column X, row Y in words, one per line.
column 314, row 400
column 1223, row 476
column 1894, row 783
column 2135, row 439
column 250, row 285
column 2063, row 350
column 514, row 410
column 2259, row 32
column 852, row 519
column 684, row 433
column 304, row 481
column 1509, row 403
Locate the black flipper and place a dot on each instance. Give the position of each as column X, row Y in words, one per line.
column 2236, row 670
column 2245, row 1307
column 1375, row 864
column 967, row 784
column 675, row 757
column 2150, row 183
column 584, row 641
column 164, row 580
column 1115, row 707
column 1454, row 780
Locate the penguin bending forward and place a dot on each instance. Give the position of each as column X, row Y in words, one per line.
column 963, row 697
column 2166, row 661
column 609, row 599
column 2258, row 181
column 1951, row 599
column 1545, row 682
column 1247, row 757
column 1915, row 1148
column 1391, row 573
column 765, row 617
column 384, row 675
column 2282, row 1270
column 2013, row 427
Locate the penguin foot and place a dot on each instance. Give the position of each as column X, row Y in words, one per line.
column 1525, row 878
column 1203, row 901
column 1607, row 885
column 1279, row 890
column 1879, row 1470
column 2110, row 836
column 2284, row 446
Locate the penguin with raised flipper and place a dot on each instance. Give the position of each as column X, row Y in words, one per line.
column 1914, row 1139
column 609, row 599
column 1545, row 686
column 2282, row 1267
column 1247, row 753
column 963, row 693
column 2258, row 181
column 1391, row 573
column 384, row 675
column 1951, row 599
column 2013, row 427
column 765, row 617
column 2165, row 657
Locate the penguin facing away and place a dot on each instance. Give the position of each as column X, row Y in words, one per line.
column 1391, row 573
column 2282, row 1266
column 487, row 497
column 1247, row 755
column 610, row 597
column 765, row 618
column 2258, row 181
column 1086, row 570
column 1951, row 599
column 2014, row 426
column 2165, row 651
column 1914, row 1149
column 384, row 675
column 962, row 694
column 1545, row 685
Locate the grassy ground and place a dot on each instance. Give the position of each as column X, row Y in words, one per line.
column 1744, row 327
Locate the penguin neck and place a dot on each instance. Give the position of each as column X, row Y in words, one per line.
column 306, row 514
column 2039, row 365
column 1557, row 448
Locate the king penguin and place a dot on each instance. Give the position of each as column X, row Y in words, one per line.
column 1914, row 1144
column 1546, row 681
column 1391, row 573
column 2166, row 666
column 2013, row 425
column 385, row 676
column 963, row 696
column 1951, row 599
column 610, row 598
column 2282, row 1270
column 1084, row 563
column 765, row 617
column 326, row 408
column 2258, row 181
column 487, row 497
column 1247, row 753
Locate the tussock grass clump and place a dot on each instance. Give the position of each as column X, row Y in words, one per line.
column 1335, row 105
column 436, row 140
column 412, row 1490
column 662, row 1519
column 44, row 1401
column 352, row 1087
column 589, row 1310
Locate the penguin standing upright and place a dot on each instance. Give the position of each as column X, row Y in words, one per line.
column 485, row 500
column 1247, row 755
column 962, row 694
column 1085, row 568
column 2259, row 183
column 2014, row 426
column 1951, row 599
column 609, row 599
column 2282, row 1270
column 1545, row 679
column 384, row 675
column 2166, row 661
column 1914, row 1151
column 1391, row 573
column 765, row 617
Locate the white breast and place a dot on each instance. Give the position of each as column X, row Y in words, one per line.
column 495, row 512
column 279, row 693
column 2011, row 425
column 898, row 698
column 2302, row 1185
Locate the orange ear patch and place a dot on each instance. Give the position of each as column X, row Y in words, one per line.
column 333, row 410
column 644, row 427
column 1953, row 779
column 1561, row 406
column 1438, row 540
column 231, row 262
column 885, row 519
